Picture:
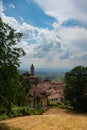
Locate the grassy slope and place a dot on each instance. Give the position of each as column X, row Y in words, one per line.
column 54, row 119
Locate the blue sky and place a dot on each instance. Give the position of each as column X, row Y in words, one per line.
column 54, row 31
column 29, row 11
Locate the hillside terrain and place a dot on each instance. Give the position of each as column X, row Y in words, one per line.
column 53, row 119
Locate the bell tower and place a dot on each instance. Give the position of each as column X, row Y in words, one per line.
column 32, row 69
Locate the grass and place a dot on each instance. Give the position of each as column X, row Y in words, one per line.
column 53, row 119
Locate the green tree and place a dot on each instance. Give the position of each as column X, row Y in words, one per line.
column 9, row 62
column 22, row 91
column 76, row 87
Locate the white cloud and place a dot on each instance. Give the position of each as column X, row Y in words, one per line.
column 66, row 9
column 12, row 6
column 9, row 20
column 1, row 9
column 62, row 46
column 74, row 44
column 27, row 30
column 61, row 10
column 74, row 37
column 44, row 41
column 21, row 18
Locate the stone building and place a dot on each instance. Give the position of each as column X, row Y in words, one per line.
column 38, row 98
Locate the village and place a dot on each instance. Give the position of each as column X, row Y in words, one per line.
column 44, row 92
column 43, row 65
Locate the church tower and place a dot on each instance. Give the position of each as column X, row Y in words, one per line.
column 32, row 69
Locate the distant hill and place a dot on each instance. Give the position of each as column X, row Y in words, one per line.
column 49, row 73
column 44, row 70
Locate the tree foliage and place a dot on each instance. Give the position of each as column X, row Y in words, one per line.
column 11, row 85
column 76, row 87
column 9, row 53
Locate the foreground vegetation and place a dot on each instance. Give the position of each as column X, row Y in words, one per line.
column 21, row 111
column 76, row 88
column 13, row 88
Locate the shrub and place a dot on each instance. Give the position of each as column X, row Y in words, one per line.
column 25, row 111
column 21, row 111
column 3, row 117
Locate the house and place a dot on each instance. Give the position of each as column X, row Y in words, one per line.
column 45, row 91
column 38, row 98
column 55, row 98
column 55, row 91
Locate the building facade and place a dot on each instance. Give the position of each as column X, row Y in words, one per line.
column 38, row 98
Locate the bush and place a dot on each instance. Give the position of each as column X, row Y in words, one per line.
column 25, row 111
column 21, row 111
column 64, row 105
column 3, row 117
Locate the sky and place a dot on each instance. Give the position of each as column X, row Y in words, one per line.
column 54, row 31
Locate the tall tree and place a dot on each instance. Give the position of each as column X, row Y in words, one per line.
column 76, row 87
column 9, row 61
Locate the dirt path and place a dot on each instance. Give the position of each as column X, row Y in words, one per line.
column 55, row 111
column 53, row 119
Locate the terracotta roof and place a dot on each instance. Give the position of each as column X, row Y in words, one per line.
column 50, row 85
column 52, row 89
column 37, row 92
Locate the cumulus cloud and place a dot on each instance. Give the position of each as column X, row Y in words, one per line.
column 28, row 31
column 44, row 40
column 41, row 42
column 61, row 10
column 9, row 20
column 74, row 43
column 75, row 37
column 66, row 9
column 62, row 45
